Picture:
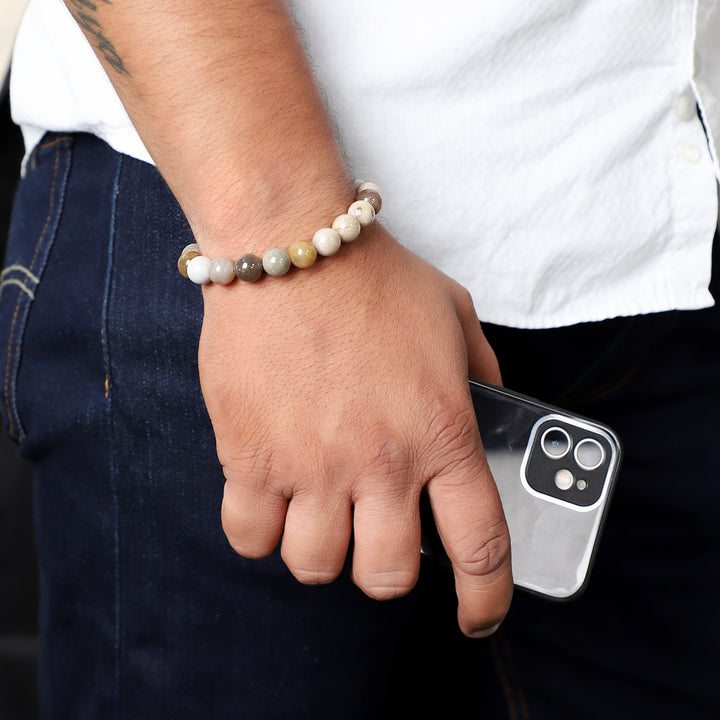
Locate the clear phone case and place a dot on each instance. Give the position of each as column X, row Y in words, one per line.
column 555, row 473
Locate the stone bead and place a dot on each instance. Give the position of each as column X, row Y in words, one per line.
column 372, row 197
column 347, row 227
column 192, row 247
column 365, row 185
column 363, row 211
column 198, row 269
column 248, row 267
column 222, row 271
column 276, row 262
column 302, row 254
column 327, row 241
column 184, row 259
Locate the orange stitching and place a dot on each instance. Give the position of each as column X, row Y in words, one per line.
column 105, row 362
column 6, row 385
column 57, row 140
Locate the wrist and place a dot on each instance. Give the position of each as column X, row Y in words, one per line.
column 302, row 252
column 241, row 211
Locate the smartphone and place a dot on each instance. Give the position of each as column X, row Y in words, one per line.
column 555, row 473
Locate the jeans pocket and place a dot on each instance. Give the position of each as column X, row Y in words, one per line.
column 36, row 217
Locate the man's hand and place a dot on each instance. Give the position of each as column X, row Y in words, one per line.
column 337, row 394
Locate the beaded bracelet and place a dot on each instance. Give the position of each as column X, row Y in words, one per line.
column 301, row 254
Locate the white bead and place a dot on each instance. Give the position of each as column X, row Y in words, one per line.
column 326, row 241
column 365, row 185
column 198, row 269
column 363, row 211
column 347, row 227
column 222, row 271
column 192, row 247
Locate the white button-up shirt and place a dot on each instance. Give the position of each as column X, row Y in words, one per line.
column 548, row 155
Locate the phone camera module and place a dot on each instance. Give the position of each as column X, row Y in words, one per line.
column 555, row 442
column 589, row 454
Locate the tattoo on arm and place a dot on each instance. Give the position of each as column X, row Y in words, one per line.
column 83, row 12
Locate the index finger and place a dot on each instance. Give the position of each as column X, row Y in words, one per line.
column 471, row 524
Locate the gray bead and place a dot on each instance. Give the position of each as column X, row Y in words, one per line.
column 222, row 271
column 248, row 267
column 276, row 262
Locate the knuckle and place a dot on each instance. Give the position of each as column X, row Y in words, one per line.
column 313, row 576
column 250, row 534
column 386, row 585
column 488, row 556
column 451, row 433
column 251, row 552
column 309, row 565
column 247, row 458
column 387, row 453
column 259, row 467
column 248, row 544
column 387, row 457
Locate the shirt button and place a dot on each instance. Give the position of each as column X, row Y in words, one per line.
column 688, row 153
column 685, row 107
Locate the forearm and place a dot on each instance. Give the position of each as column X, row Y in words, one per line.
column 224, row 99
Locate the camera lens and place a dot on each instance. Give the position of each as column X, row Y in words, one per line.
column 555, row 442
column 589, row 454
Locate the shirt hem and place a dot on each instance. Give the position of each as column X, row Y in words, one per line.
column 692, row 301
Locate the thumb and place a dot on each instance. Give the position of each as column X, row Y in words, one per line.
column 482, row 362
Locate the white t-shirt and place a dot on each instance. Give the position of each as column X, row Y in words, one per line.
column 548, row 156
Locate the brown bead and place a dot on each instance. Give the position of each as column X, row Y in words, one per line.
column 371, row 197
column 248, row 267
column 184, row 259
column 302, row 254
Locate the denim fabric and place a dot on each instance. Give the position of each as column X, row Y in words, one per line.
column 147, row 613
column 145, row 610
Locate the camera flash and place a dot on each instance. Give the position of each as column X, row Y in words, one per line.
column 564, row 479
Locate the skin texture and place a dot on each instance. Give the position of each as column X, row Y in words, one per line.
column 338, row 393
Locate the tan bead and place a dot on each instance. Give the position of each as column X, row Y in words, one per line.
column 347, row 227
column 371, row 197
column 194, row 247
column 363, row 211
column 302, row 254
column 327, row 241
column 365, row 185
column 184, row 259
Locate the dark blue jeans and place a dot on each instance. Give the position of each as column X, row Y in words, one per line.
column 147, row 613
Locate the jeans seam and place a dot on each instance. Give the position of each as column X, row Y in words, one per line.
column 514, row 696
column 18, row 322
column 113, row 467
column 55, row 141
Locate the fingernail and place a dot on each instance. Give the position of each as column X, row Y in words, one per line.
column 484, row 633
